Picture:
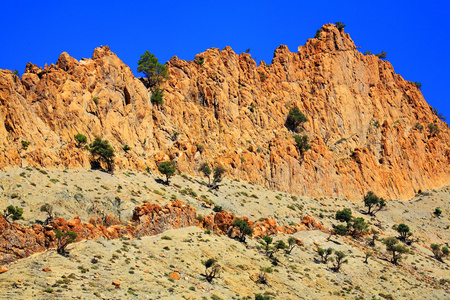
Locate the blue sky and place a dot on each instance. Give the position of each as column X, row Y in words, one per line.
column 413, row 33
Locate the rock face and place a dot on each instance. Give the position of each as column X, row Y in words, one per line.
column 149, row 219
column 367, row 125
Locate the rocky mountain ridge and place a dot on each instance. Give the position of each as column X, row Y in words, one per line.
column 367, row 125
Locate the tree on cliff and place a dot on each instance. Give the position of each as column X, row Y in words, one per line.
column 81, row 139
column 102, row 151
column 243, row 227
column 206, row 170
column 63, row 239
column 302, row 143
column 295, row 118
column 167, row 168
column 153, row 70
column 218, row 173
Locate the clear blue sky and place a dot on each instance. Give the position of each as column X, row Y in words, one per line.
column 413, row 33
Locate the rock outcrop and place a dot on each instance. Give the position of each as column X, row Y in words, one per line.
column 367, row 125
column 18, row 241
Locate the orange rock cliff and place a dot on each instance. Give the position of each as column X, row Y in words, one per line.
column 364, row 120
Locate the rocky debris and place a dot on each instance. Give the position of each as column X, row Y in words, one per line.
column 174, row 275
column 367, row 125
column 116, row 283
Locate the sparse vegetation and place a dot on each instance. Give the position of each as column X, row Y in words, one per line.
column 152, row 69
column 373, row 201
column 302, row 143
column 437, row 212
column 404, row 231
column 393, row 245
column 13, row 212
column 218, row 173
column 206, row 170
column 383, row 54
column 168, row 169
column 339, row 259
column 25, row 145
column 80, row 139
column 63, row 239
column 295, row 118
column 417, row 84
column 244, row 228
column 433, row 128
column 47, row 208
column 200, row 61
column 102, row 151
column 317, row 36
column 126, row 148
column 340, row 25
column 292, row 242
column 324, row 254
column 437, row 251
column 157, row 96
column 212, row 269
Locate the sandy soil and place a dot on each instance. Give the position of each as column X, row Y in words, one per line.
column 142, row 266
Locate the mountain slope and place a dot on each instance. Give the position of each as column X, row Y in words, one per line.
column 363, row 119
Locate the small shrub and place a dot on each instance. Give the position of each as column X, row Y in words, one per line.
column 14, row 212
column 217, row 208
column 344, row 215
column 295, row 118
column 96, row 100
column 417, row 84
column 302, row 143
column 437, row 212
column 166, row 237
column 25, row 145
column 419, row 126
column 212, row 269
column 433, row 128
column 157, row 96
column 80, row 139
column 126, row 148
column 340, row 25
column 383, row 54
column 317, row 36
column 200, row 61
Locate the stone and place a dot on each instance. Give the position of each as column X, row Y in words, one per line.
column 174, row 275
column 3, row 269
column 116, row 283
column 47, row 269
